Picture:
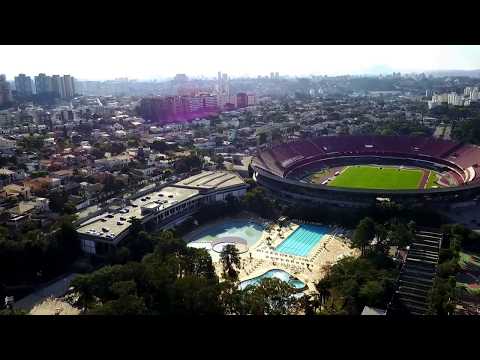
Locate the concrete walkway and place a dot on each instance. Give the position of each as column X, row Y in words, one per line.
column 55, row 290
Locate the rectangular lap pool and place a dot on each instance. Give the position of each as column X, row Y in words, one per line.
column 302, row 240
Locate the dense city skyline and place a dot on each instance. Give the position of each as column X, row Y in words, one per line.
column 278, row 194
column 94, row 62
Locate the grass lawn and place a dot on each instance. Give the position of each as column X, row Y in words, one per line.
column 469, row 277
column 466, row 259
column 374, row 177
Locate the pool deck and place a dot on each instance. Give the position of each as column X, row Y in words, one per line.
column 310, row 269
column 262, row 257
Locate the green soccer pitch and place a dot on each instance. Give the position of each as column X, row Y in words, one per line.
column 372, row 177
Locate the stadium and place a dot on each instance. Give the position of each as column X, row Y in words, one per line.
column 362, row 170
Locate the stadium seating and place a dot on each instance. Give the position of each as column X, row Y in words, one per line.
column 466, row 156
column 306, row 148
column 285, row 157
column 271, row 164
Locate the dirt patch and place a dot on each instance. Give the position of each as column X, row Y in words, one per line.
column 53, row 306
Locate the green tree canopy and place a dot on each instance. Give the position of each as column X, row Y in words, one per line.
column 363, row 234
column 230, row 260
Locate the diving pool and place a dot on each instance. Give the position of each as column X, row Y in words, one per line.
column 248, row 230
column 275, row 273
column 302, row 240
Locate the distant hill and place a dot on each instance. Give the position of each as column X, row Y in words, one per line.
column 378, row 70
column 468, row 73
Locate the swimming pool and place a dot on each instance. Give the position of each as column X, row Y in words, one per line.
column 302, row 240
column 245, row 229
column 275, row 273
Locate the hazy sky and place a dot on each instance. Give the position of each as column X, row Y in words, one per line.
column 101, row 62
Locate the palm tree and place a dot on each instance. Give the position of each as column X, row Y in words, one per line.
column 323, row 291
column 230, row 259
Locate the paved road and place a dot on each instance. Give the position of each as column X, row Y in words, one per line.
column 56, row 289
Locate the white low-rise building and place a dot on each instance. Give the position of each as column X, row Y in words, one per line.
column 7, row 146
column 164, row 208
column 111, row 162
column 120, row 133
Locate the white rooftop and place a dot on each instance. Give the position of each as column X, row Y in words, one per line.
column 367, row 310
column 109, row 226
column 212, row 180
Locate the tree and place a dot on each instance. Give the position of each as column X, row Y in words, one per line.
column 270, row 297
column 188, row 163
column 103, row 286
column 57, row 202
column 352, row 283
column 65, row 244
column 323, row 289
column 230, row 259
column 467, row 130
column 136, row 226
column 13, row 312
column 400, row 235
column 167, row 244
column 139, row 244
column 198, row 262
column 232, row 204
column 440, row 298
column 185, row 227
column 363, row 234
column 48, row 252
column 119, row 256
column 448, row 268
column 196, row 296
column 257, row 201
column 308, row 304
column 214, row 210
column 127, row 303
column 32, row 143
column 69, row 208
column 371, row 292
column 219, row 160
column 160, row 146
column 381, row 236
column 84, row 287
column 111, row 184
column 231, row 298
column 335, row 304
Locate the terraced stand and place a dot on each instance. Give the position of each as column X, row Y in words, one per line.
column 417, row 274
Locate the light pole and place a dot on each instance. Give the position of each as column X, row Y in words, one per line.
column 9, row 300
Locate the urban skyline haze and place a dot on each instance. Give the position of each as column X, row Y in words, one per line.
column 148, row 62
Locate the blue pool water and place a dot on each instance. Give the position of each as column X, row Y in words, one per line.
column 302, row 240
column 276, row 273
column 245, row 229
